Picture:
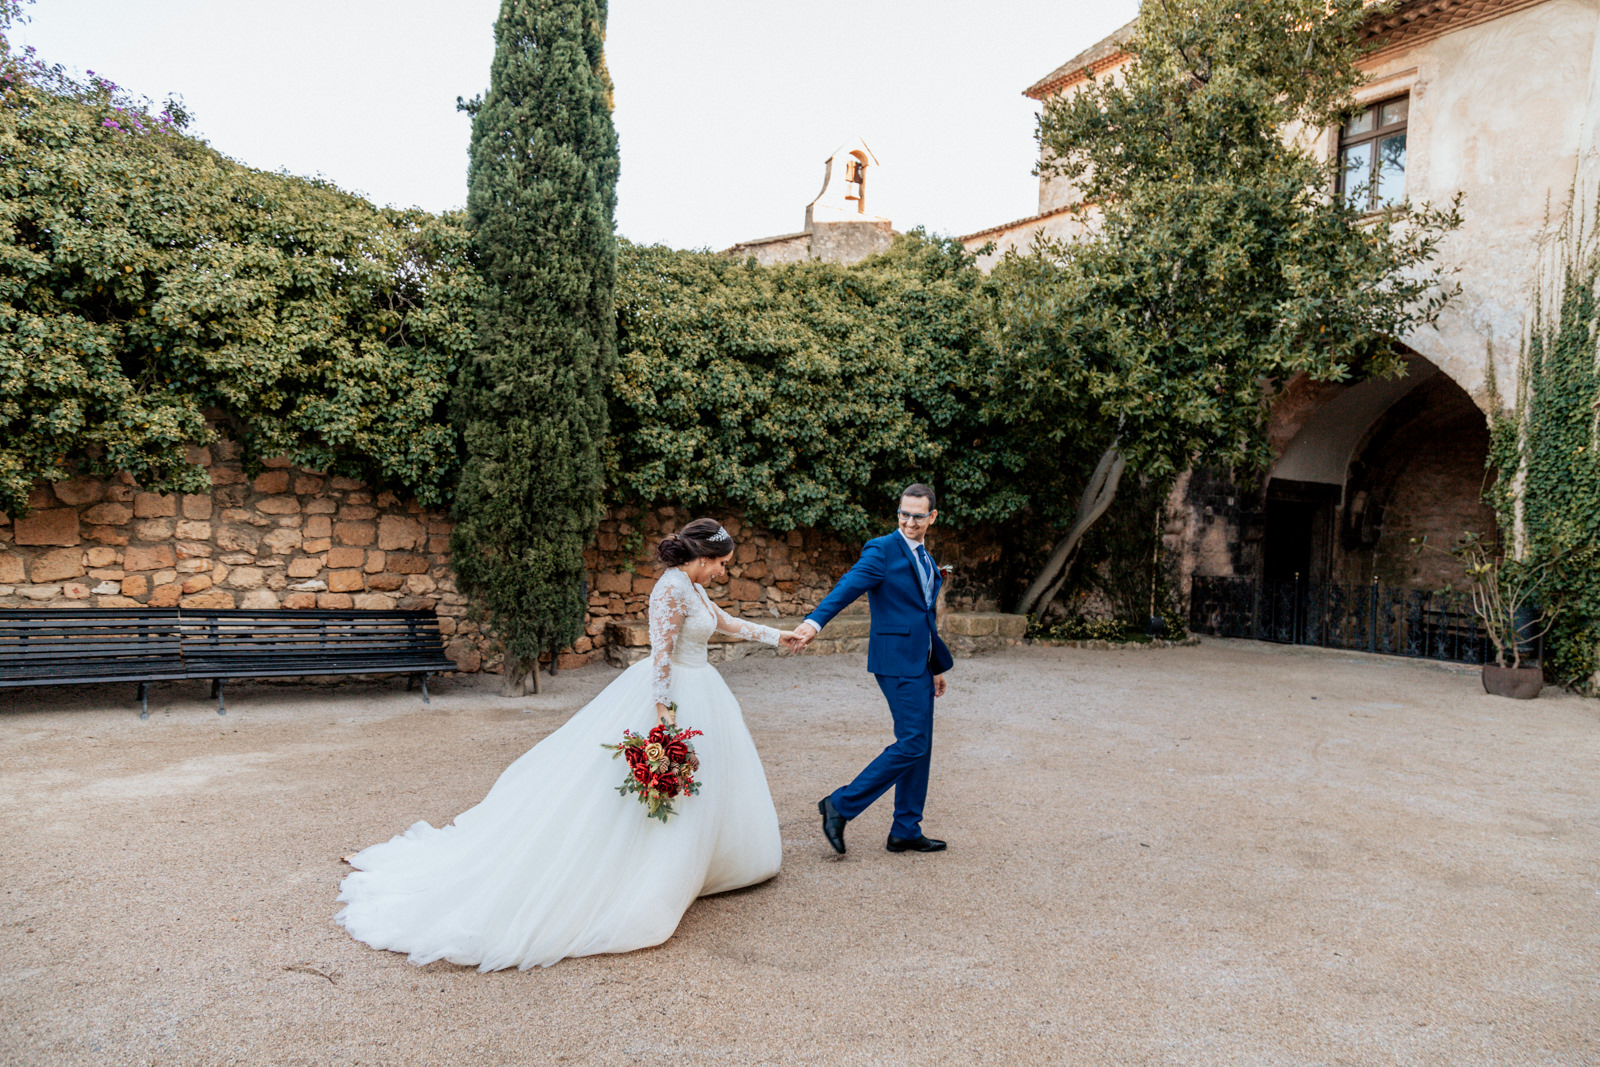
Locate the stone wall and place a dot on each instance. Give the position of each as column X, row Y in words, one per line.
column 291, row 538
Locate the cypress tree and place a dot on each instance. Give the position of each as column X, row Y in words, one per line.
column 530, row 404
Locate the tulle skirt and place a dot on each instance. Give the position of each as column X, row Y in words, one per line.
column 554, row 862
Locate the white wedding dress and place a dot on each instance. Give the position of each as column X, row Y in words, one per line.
column 554, row 862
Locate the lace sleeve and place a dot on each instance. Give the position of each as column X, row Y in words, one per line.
column 669, row 606
column 744, row 631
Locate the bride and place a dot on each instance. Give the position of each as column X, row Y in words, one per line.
column 554, row 862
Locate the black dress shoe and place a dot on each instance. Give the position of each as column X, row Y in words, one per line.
column 832, row 823
column 914, row 844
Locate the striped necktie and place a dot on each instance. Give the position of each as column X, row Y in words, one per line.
column 925, row 565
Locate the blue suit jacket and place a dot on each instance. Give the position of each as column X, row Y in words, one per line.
column 905, row 636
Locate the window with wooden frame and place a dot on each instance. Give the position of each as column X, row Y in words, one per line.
column 1372, row 155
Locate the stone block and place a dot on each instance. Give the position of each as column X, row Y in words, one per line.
column 259, row 599
column 41, row 497
column 112, row 574
column 277, row 582
column 278, row 505
column 56, row 565
column 374, row 562
column 315, row 585
column 345, row 581
column 374, row 602
column 39, row 592
column 148, row 558
column 49, row 526
column 108, row 515
column 385, row 583
column 135, row 585
column 357, row 512
column 334, row 601
column 1014, row 627
column 75, row 591
column 153, row 529
column 238, row 559
column 467, row 658
column 643, row 585
column 276, row 462
column 193, row 530
column 418, row 584
column 164, row 577
column 308, row 484
column 397, row 531
column 154, row 506
column 80, row 491
column 100, row 557
column 197, row 506
column 320, row 506
column 407, row 563
column 317, row 544
column 305, row 567
column 246, row 577
column 108, row 589
column 359, row 534
column 340, row 557
column 319, row 526
column 967, row 625
column 193, row 566
column 271, row 482
column 234, row 538
column 338, row 482
column 106, row 535
column 12, row 571
column 214, row 599
column 221, row 476
column 198, row 583
column 193, row 550
column 117, row 602
column 438, row 544
column 300, row 601
column 282, row 541
column 744, row 590
column 612, row 582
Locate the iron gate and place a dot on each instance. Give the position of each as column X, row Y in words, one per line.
column 1364, row 618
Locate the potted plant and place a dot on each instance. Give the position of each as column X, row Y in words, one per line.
column 1505, row 596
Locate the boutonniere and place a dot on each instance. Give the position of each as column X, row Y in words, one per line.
column 945, row 570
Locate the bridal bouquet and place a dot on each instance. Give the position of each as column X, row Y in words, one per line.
column 661, row 766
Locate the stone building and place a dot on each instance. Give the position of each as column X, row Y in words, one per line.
column 1496, row 99
column 838, row 226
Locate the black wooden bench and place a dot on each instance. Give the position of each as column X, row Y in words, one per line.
column 64, row 646
column 283, row 643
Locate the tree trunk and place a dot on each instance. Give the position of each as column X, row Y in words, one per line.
column 518, row 678
column 1097, row 497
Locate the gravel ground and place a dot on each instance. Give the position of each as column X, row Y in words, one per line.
column 1233, row 853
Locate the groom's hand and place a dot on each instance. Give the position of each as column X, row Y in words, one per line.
column 802, row 636
column 938, row 685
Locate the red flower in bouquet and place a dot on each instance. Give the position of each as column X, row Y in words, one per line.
column 661, row 766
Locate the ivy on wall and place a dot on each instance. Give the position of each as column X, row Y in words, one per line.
column 149, row 286
column 1547, row 450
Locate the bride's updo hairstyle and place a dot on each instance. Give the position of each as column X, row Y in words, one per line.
column 702, row 537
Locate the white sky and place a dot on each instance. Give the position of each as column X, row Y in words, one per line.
column 725, row 109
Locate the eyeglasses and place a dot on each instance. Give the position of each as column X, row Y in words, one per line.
column 912, row 516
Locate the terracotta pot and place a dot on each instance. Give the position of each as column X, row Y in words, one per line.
column 1518, row 683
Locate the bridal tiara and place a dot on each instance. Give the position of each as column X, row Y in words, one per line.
column 720, row 535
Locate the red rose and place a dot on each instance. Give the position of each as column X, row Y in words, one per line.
column 667, row 784
column 634, row 756
column 677, row 751
column 641, row 774
column 659, row 734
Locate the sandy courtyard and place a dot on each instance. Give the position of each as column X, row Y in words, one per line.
column 1234, row 853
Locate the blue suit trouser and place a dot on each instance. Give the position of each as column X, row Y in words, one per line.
column 904, row 764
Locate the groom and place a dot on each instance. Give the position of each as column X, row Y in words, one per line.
column 905, row 653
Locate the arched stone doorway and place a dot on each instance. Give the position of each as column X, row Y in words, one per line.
column 1370, row 470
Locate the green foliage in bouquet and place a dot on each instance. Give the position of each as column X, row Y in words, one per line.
column 150, row 286
column 531, row 404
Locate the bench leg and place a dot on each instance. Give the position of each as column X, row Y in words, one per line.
column 423, row 678
column 144, row 700
column 216, row 691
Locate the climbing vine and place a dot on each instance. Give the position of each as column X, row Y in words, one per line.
column 1546, row 447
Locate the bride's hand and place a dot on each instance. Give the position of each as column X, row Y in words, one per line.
column 665, row 715
column 788, row 640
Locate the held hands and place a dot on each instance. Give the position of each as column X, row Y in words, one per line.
column 798, row 638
